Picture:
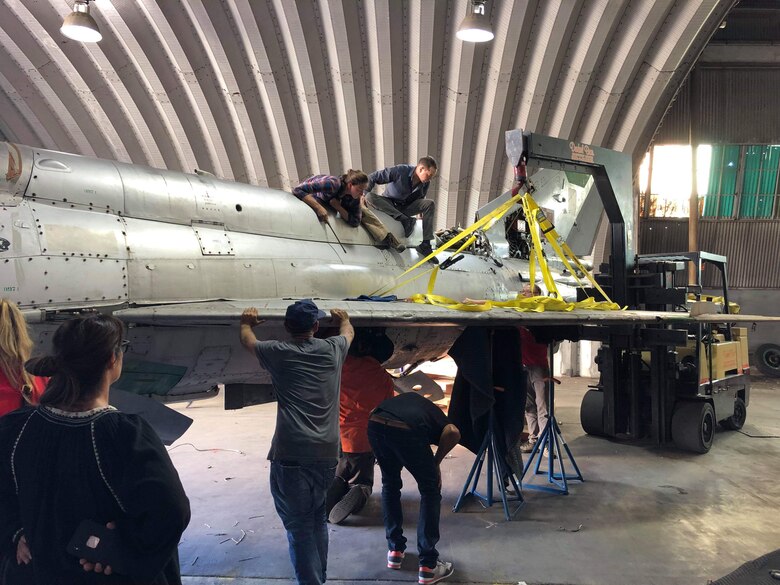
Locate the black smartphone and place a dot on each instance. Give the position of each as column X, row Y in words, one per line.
column 98, row 544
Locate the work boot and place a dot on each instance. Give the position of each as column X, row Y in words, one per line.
column 354, row 501
column 408, row 223
column 428, row 576
column 392, row 242
column 509, row 488
column 527, row 447
column 425, row 249
column 337, row 490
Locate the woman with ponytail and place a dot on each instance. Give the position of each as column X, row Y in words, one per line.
column 344, row 194
column 75, row 458
column 17, row 387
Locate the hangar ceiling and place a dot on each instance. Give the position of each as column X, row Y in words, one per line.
column 271, row 91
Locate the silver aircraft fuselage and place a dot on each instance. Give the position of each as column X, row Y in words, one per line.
column 83, row 233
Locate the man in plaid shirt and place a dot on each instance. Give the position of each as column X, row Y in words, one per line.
column 345, row 195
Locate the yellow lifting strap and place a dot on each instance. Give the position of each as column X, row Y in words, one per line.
column 432, row 280
column 537, row 250
column 488, row 221
column 537, row 304
column 485, row 222
column 537, row 222
column 536, row 217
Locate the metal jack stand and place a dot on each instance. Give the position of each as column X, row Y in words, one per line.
column 552, row 438
column 495, row 465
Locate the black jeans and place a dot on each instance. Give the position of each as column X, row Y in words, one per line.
column 395, row 449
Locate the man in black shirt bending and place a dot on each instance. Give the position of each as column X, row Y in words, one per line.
column 401, row 431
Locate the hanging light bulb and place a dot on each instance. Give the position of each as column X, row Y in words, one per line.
column 475, row 28
column 79, row 24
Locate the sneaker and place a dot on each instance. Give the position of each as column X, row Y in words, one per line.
column 546, row 453
column 408, row 223
column 395, row 558
column 337, row 490
column 354, row 500
column 427, row 576
column 424, row 249
column 527, row 447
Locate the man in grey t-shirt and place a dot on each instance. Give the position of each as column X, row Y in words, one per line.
column 306, row 374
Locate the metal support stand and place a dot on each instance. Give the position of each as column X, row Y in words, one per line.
column 495, row 466
column 552, row 438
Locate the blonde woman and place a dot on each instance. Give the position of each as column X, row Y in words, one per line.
column 17, row 387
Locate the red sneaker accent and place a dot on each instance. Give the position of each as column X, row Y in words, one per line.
column 395, row 558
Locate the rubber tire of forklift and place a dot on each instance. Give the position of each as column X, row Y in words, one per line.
column 592, row 412
column 768, row 359
column 737, row 420
column 693, row 426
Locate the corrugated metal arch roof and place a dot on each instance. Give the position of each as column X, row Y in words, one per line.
column 271, row 91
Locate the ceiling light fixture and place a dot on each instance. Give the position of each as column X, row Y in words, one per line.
column 475, row 28
column 79, row 24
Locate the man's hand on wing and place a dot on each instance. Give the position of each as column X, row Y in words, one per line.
column 339, row 315
column 249, row 317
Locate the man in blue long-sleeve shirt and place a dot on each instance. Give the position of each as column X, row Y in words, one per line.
column 404, row 197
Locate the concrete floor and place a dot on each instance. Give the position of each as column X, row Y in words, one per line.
column 647, row 516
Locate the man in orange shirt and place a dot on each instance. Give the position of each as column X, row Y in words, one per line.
column 364, row 384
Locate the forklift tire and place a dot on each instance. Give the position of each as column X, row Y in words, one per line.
column 693, row 426
column 768, row 359
column 737, row 420
column 592, row 412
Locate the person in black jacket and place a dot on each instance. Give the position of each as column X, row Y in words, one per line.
column 75, row 458
column 401, row 431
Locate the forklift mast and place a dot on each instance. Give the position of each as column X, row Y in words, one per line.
column 611, row 172
column 658, row 382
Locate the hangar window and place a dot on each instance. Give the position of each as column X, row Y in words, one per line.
column 759, row 182
column 669, row 187
column 733, row 181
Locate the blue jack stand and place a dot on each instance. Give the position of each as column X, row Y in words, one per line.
column 552, row 438
column 495, row 466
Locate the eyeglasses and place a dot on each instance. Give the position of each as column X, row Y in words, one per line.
column 124, row 345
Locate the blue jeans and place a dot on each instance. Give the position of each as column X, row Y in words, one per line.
column 395, row 449
column 299, row 491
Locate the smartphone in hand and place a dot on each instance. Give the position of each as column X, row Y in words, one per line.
column 98, row 544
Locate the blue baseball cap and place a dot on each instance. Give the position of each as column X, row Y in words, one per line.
column 303, row 314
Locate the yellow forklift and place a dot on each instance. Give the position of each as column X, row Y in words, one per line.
column 672, row 385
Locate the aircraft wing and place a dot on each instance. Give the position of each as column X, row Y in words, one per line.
column 407, row 314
